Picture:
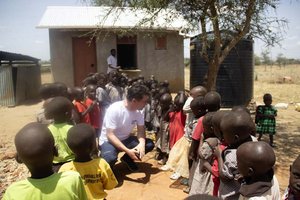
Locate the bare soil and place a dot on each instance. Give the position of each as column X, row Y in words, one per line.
column 150, row 182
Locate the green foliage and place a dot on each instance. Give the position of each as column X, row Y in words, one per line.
column 222, row 23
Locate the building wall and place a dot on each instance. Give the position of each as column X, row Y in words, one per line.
column 163, row 64
column 61, row 56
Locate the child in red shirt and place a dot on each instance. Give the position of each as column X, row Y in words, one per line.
column 92, row 107
column 177, row 120
column 80, row 106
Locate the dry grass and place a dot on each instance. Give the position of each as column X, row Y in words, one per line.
column 270, row 80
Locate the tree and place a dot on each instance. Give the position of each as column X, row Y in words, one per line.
column 266, row 59
column 257, row 60
column 223, row 23
column 281, row 60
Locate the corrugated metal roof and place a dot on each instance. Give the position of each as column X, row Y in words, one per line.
column 7, row 56
column 56, row 17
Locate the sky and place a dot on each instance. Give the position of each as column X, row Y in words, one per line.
column 19, row 18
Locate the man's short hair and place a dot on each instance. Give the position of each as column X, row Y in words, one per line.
column 137, row 92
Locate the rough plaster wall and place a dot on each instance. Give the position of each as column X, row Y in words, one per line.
column 104, row 44
column 164, row 64
column 61, row 56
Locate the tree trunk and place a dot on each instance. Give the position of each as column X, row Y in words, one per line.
column 212, row 73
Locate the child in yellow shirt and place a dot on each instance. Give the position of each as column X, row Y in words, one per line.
column 96, row 173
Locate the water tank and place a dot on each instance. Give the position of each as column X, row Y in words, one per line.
column 235, row 76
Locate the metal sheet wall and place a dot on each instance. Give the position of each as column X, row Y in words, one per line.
column 7, row 97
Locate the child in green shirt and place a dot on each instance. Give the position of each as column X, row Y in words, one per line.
column 35, row 148
column 60, row 110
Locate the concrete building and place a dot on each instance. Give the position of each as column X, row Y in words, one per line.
column 146, row 48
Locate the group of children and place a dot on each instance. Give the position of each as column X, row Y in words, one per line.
column 215, row 151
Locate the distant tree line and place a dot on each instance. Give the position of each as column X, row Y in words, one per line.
column 280, row 60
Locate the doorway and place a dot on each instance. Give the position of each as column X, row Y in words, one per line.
column 84, row 58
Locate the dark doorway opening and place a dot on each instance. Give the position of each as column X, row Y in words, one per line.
column 127, row 56
column 126, row 52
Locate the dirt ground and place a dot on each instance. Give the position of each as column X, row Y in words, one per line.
column 151, row 183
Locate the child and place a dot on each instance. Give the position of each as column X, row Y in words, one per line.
column 59, row 109
column 195, row 92
column 102, row 95
column 113, row 88
column 92, row 107
column 47, row 91
column 293, row 190
column 265, row 119
column 202, row 181
column 255, row 161
column 212, row 102
column 96, row 173
column 236, row 128
column 216, row 121
column 178, row 158
column 177, row 119
column 36, row 149
column 162, row 139
column 80, row 105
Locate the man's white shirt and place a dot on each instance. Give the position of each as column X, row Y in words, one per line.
column 119, row 118
column 111, row 60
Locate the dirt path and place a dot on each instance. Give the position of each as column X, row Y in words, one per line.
column 151, row 183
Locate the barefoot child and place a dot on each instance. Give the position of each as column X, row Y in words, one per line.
column 202, row 181
column 255, row 161
column 265, row 119
column 60, row 110
column 162, row 143
column 177, row 119
column 36, row 149
column 96, row 173
column 178, row 158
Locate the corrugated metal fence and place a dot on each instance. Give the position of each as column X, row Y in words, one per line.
column 7, row 97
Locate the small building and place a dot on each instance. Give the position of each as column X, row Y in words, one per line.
column 20, row 78
column 77, row 49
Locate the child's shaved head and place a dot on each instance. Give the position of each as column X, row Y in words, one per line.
column 198, row 91
column 81, row 139
column 59, row 109
column 236, row 127
column 35, row 146
column 255, row 158
column 212, row 101
column 197, row 106
column 240, row 109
